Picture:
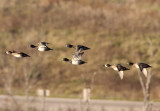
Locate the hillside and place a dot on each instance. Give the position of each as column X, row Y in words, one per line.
column 116, row 31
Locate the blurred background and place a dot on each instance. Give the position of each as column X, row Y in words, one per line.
column 116, row 31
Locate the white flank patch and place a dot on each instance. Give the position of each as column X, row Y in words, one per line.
column 75, row 62
column 144, row 72
column 17, row 55
column 115, row 68
column 41, row 48
column 121, row 74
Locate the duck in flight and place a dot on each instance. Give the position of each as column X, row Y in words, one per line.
column 76, row 59
column 17, row 54
column 42, row 46
column 141, row 66
column 78, row 47
column 118, row 68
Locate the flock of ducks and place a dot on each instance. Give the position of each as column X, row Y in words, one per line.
column 77, row 54
column 42, row 46
column 141, row 66
column 77, row 58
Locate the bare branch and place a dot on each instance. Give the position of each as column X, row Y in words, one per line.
column 141, row 82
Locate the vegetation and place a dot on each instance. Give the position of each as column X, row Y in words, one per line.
column 115, row 30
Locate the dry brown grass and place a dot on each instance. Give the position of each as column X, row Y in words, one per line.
column 114, row 30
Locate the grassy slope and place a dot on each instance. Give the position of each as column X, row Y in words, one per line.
column 116, row 33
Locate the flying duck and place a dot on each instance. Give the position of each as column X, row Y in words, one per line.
column 76, row 59
column 142, row 66
column 42, row 46
column 118, row 68
column 78, row 47
column 17, row 54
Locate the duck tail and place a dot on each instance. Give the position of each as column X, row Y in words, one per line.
column 50, row 49
column 126, row 68
column 28, row 56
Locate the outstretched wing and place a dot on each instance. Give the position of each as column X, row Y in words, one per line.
column 81, row 48
column 77, row 55
column 121, row 73
column 145, row 72
column 143, row 67
column 44, row 44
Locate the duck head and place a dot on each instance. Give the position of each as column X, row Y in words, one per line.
column 107, row 65
column 69, row 46
column 130, row 63
column 65, row 59
column 8, row 52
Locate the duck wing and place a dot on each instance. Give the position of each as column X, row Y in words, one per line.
column 145, row 72
column 124, row 68
column 121, row 74
column 77, row 55
column 44, row 43
column 81, row 48
column 144, row 65
column 121, row 68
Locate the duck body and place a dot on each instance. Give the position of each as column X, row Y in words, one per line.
column 119, row 68
column 17, row 54
column 77, row 62
column 141, row 66
column 42, row 46
column 76, row 58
